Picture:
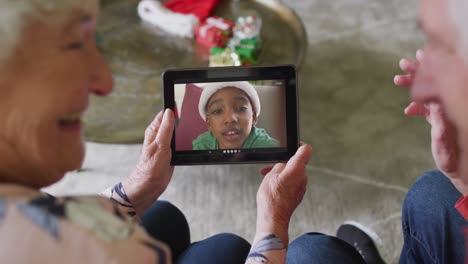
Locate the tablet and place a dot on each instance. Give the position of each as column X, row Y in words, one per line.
column 227, row 115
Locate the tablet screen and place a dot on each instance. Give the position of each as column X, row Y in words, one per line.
column 232, row 114
column 230, row 117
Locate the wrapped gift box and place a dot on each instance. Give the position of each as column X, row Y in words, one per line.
column 224, row 57
column 215, row 31
column 247, row 56
column 248, row 50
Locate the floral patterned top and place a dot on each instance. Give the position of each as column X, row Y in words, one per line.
column 38, row 228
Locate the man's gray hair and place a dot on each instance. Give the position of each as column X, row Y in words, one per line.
column 16, row 14
column 458, row 12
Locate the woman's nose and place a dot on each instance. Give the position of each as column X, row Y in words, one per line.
column 101, row 81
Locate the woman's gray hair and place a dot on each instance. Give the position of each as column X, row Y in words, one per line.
column 16, row 14
column 458, row 13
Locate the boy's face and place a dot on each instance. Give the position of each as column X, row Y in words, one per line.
column 230, row 117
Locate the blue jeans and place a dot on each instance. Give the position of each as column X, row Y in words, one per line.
column 432, row 227
column 322, row 249
column 166, row 223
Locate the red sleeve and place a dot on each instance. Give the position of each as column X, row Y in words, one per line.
column 466, row 239
column 462, row 206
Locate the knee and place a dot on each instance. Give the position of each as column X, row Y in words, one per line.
column 164, row 205
column 231, row 241
column 431, row 191
column 163, row 217
column 222, row 248
column 163, row 208
column 165, row 222
column 429, row 182
column 320, row 248
column 429, row 217
column 431, row 197
column 237, row 246
column 314, row 238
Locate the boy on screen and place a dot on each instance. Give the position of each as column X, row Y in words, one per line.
column 230, row 110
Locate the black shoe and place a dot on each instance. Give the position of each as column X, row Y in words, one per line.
column 361, row 239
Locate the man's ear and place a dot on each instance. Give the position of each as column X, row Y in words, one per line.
column 254, row 119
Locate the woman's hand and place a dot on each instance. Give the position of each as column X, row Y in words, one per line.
column 281, row 191
column 153, row 171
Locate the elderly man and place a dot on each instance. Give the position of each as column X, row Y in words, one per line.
column 435, row 211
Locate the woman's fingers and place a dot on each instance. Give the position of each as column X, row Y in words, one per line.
column 298, row 162
column 267, row 169
column 152, row 129
column 166, row 130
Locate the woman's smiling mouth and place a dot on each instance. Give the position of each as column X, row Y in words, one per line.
column 71, row 122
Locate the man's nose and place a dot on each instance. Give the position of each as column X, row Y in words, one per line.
column 101, row 81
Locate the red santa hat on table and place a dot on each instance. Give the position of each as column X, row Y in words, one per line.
column 178, row 17
column 200, row 8
column 212, row 88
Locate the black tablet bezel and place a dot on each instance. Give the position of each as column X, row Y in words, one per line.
column 226, row 74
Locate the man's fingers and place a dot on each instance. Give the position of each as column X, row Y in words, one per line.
column 437, row 114
column 418, row 109
column 419, row 55
column 414, row 109
column 166, row 130
column 404, row 80
column 152, row 129
column 409, row 66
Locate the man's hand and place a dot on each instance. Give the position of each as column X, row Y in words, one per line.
column 153, row 171
column 281, row 191
column 444, row 143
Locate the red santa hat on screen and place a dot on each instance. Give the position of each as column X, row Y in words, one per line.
column 211, row 88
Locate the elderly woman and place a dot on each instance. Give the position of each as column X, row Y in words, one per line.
column 49, row 65
column 230, row 111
